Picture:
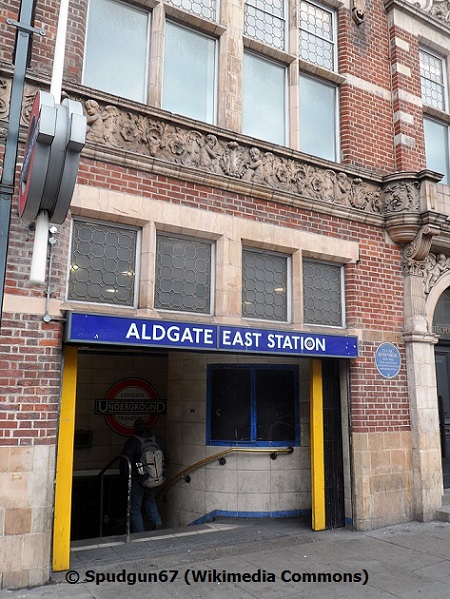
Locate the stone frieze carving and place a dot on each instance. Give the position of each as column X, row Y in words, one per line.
column 146, row 135
column 441, row 10
column 4, row 97
column 402, row 196
column 436, row 8
column 433, row 267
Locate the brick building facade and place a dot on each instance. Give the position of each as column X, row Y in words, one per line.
column 258, row 239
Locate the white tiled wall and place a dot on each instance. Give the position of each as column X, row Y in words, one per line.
column 247, row 483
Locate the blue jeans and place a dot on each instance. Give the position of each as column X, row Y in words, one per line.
column 143, row 498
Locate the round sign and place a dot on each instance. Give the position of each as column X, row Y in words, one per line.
column 127, row 400
column 387, row 360
column 41, row 133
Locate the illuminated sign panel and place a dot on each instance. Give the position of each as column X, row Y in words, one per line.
column 114, row 330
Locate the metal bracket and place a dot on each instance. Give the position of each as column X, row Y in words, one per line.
column 7, row 189
column 26, row 28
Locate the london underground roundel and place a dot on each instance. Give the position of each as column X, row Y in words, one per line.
column 127, row 400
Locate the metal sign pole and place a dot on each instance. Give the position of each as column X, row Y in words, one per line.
column 15, row 107
column 40, row 245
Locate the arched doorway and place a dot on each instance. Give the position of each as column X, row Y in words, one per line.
column 441, row 327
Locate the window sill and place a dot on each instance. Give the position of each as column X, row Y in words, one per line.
column 202, row 24
column 436, row 113
column 313, row 69
column 268, row 51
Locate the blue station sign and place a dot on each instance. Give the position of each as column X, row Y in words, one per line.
column 132, row 332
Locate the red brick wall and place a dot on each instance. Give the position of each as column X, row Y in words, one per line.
column 407, row 158
column 30, row 373
column 374, row 286
column 31, row 348
column 366, row 119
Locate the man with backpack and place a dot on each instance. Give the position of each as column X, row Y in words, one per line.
column 148, row 457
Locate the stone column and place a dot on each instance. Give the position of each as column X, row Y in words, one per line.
column 421, row 376
column 229, row 109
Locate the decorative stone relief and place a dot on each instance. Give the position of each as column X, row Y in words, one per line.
column 4, row 97
column 402, row 196
column 434, row 266
column 420, row 247
column 436, row 8
column 418, row 262
column 441, row 10
column 145, row 135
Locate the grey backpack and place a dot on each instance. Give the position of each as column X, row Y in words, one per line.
column 151, row 467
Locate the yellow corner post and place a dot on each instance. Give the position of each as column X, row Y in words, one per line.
column 317, row 447
column 64, row 462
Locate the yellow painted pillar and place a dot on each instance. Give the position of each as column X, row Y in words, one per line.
column 64, row 462
column 317, row 447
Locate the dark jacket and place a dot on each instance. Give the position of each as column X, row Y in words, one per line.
column 132, row 450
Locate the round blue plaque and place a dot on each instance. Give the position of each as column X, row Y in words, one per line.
column 387, row 360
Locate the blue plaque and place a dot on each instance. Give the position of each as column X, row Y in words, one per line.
column 387, row 360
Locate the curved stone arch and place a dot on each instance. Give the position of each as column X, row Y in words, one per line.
column 433, row 297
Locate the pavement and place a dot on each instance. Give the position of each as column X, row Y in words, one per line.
column 258, row 558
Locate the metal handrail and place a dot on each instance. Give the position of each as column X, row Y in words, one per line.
column 273, row 451
column 101, row 475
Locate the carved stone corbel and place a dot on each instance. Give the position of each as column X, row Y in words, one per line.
column 420, row 247
column 401, row 206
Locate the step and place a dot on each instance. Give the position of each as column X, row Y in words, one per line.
column 446, row 497
column 443, row 514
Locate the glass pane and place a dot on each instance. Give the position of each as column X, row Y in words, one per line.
column 436, row 147
column 265, row 22
column 432, row 80
column 318, row 127
column 189, row 73
column 230, row 404
column 102, row 264
column 316, row 42
column 322, row 293
column 264, row 286
column 275, row 404
column 264, row 99
column 183, row 275
column 117, row 42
